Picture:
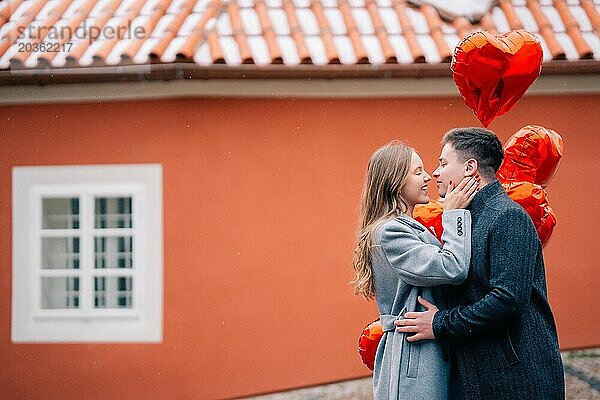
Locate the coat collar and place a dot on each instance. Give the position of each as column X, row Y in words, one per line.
column 411, row 221
column 424, row 234
column 485, row 194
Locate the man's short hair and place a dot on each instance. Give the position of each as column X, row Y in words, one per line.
column 481, row 144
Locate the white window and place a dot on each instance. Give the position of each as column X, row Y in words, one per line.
column 87, row 253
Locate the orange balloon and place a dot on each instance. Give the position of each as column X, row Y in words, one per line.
column 533, row 155
column 430, row 215
column 368, row 342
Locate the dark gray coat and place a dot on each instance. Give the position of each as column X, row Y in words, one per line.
column 498, row 322
column 408, row 261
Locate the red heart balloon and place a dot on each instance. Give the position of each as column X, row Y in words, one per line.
column 531, row 155
column 533, row 198
column 493, row 72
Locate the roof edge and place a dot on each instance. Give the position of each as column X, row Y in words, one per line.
column 352, row 88
column 176, row 71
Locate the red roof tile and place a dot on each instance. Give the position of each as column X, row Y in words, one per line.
column 545, row 30
column 573, row 30
column 289, row 32
column 408, row 32
column 381, row 34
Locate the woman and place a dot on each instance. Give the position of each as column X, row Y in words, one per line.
column 397, row 260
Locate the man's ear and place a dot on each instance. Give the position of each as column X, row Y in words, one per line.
column 471, row 167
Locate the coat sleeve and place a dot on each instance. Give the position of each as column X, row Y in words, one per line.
column 513, row 250
column 422, row 264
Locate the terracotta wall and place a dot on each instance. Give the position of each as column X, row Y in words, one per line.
column 260, row 202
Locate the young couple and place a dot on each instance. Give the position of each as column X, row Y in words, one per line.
column 467, row 318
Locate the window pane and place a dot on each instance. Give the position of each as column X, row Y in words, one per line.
column 60, row 213
column 60, row 252
column 60, row 292
column 112, row 212
column 113, row 252
column 113, row 292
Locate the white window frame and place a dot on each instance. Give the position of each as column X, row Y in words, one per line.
column 140, row 323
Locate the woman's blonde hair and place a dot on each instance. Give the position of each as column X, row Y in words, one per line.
column 387, row 173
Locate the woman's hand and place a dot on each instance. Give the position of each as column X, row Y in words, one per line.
column 461, row 195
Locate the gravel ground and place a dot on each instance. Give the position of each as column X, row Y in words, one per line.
column 582, row 373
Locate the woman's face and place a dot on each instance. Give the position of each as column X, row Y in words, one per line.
column 415, row 188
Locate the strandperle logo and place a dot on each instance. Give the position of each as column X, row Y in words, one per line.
column 83, row 31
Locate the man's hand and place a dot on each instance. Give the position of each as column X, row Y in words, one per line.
column 419, row 323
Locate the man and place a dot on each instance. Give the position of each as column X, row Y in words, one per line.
column 498, row 325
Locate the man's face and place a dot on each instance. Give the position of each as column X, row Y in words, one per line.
column 451, row 169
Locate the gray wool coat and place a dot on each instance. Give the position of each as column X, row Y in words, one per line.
column 408, row 261
column 498, row 324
